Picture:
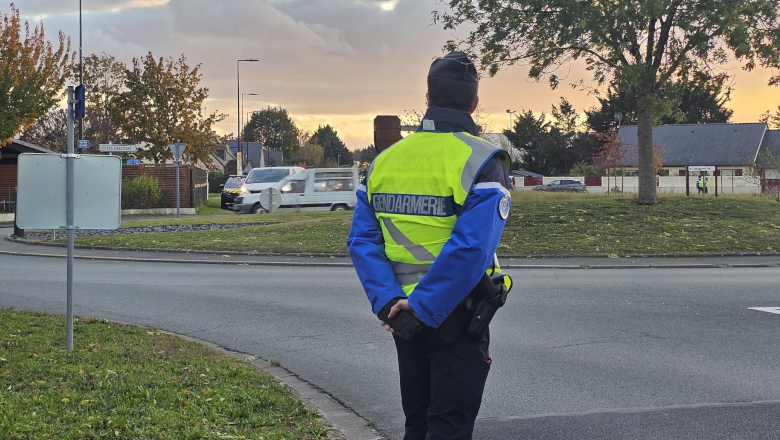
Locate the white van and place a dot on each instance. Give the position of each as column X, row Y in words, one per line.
column 316, row 189
column 261, row 178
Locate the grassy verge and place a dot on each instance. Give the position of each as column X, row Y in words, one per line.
column 293, row 233
column 211, row 206
column 539, row 224
column 128, row 382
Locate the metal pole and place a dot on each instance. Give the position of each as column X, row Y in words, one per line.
column 178, row 195
column 69, row 221
column 81, row 73
column 238, row 104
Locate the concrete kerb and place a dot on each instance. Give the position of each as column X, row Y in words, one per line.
column 638, row 261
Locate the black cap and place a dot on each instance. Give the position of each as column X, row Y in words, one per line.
column 454, row 65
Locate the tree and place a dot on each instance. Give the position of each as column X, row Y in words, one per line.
column 552, row 147
column 701, row 101
column 771, row 119
column 367, row 154
column 276, row 130
column 334, row 151
column 32, row 74
column 311, row 153
column 104, row 79
column 163, row 104
column 639, row 46
column 49, row 131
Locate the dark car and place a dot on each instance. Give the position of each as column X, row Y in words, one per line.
column 563, row 185
column 230, row 191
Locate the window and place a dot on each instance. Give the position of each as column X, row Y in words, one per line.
column 293, row 186
column 332, row 174
column 324, row 185
column 266, row 175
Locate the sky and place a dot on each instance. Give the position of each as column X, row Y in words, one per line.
column 337, row 62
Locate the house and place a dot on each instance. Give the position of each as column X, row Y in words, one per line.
column 731, row 148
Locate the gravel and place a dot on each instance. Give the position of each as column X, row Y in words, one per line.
column 146, row 230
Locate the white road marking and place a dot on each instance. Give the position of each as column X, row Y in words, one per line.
column 775, row 310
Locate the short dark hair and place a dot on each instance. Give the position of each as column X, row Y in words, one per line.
column 451, row 93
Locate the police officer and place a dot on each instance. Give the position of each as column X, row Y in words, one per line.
column 429, row 218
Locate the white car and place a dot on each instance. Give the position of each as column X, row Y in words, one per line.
column 261, row 178
column 316, row 189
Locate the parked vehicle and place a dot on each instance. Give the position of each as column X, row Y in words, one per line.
column 230, row 191
column 261, row 178
column 316, row 189
column 563, row 185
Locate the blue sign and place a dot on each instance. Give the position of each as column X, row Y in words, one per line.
column 83, row 144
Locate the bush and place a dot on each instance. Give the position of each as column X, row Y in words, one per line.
column 216, row 178
column 141, row 192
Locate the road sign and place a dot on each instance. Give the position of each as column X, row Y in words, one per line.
column 270, row 199
column 83, row 143
column 116, row 148
column 41, row 195
column 177, row 149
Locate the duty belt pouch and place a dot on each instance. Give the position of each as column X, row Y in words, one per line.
column 488, row 296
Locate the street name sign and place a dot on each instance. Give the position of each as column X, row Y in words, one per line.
column 116, row 148
column 83, row 143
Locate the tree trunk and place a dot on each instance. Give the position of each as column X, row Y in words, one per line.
column 644, row 134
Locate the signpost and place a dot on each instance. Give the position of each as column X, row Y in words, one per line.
column 270, row 199
column 177, row 150
column 83, row 143
column 89, row 200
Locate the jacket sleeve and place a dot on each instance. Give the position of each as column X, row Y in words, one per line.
column 366, row 248
column 469, row 252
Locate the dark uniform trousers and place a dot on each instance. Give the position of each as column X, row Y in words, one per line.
column 443, row 372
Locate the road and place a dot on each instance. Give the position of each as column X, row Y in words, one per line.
column 578, row 353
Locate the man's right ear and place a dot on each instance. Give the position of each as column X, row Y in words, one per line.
column 427, row 100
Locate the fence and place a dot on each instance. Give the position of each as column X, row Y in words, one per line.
column 665, row 184
column 193, row 184
column 7, row 188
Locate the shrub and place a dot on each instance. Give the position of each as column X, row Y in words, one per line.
column 141, row 192
column 216, row 178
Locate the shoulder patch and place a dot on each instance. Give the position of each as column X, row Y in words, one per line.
column 503, row 207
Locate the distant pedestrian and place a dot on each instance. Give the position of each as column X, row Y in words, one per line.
column 699, row 186
column 706, row 185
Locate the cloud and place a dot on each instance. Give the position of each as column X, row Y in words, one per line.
column 326, row 61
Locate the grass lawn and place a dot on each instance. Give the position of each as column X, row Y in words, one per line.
column 129, row 382
column 539, row 224
column 211, row 206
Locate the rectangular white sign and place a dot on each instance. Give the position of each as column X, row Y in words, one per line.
column 702, row 168
column 111, row 148
column 97, row 193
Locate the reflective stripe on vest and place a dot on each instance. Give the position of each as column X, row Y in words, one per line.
column 416, row 188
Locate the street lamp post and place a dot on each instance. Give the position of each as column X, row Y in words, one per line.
column 238, row 104
column 241, row 116
column 510, row 118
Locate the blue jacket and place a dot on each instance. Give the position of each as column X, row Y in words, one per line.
column 463, row 259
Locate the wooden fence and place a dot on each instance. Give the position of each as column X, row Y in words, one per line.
column 193, row 184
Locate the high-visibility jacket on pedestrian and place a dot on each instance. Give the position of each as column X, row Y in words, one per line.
column 424, row 227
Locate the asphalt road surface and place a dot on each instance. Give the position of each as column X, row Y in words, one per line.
column 578, row 354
